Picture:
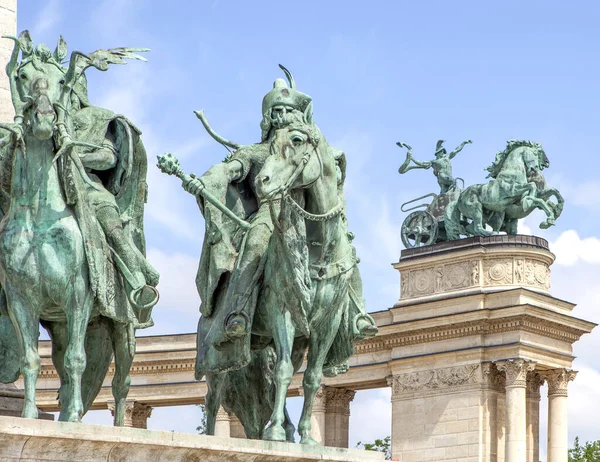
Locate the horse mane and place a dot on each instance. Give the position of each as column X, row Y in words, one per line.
column 511, row 145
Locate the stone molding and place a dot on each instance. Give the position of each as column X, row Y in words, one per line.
column 558, row 381
column 434, row 381
column 385, row 342
column 516, row 371
column 136, row 413
column 487, row 271
column 534, row 382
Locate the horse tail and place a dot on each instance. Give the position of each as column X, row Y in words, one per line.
column 452, row 220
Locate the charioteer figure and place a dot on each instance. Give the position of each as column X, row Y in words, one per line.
column 442, row 168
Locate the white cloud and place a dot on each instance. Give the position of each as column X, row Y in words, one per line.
column 569, row 249
column 177, row 310
column 370, row 416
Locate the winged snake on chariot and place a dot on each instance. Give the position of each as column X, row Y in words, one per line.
column 72, row 194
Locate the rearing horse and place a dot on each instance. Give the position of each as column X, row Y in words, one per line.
column 44, row 262
column 514, row 191
column 305, row 296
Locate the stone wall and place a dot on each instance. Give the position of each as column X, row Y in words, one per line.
column 8, row 26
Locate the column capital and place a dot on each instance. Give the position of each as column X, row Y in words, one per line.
column 136, row 413
column 558, row 380
column 534, row 381
column 337, row 400
column 222, row 414
column 516, row 371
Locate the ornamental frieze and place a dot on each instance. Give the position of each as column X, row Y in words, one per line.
column 431, row 380
column 484, row 272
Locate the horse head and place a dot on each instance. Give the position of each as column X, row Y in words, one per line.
column 294, row 161
column 37, row 84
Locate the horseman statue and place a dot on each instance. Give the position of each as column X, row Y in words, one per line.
column 72, row 194
column 237, row 346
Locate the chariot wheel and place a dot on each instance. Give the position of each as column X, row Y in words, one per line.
column 419, row 229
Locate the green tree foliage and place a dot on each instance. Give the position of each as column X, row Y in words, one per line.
column 590, row 452
column 384, row 445
column 202, row 427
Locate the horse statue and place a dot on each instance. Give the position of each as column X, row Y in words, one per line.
column 516, row 189
column 58, row 265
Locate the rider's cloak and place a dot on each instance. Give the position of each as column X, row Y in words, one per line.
column 223, row 242
column 126, row 181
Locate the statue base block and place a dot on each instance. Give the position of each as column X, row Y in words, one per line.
column 12, row 400
column 26, row 440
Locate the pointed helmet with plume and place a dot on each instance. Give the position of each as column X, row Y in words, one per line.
column 284, row 95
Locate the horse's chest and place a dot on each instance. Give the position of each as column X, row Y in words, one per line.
column 42, row 252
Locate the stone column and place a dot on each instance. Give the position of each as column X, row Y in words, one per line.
column 136, row 413
column 8, row 26
column 516, row 407
column 236, row 429
column 317, row 420
column 558, row 437
column 222, row 424
column 337, row 416
column 534, row 382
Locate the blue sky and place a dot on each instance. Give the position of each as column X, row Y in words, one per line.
column 379, row 72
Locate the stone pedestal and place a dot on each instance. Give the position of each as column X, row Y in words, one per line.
column 12, row 400
column 28, row 440
column 478, row 324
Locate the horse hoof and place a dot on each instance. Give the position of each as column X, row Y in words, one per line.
column 29, row 412
column 290, row 432
column 309, row 441
column 274, row 433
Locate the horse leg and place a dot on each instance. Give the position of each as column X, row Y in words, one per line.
column 283, row 335
column 319, row 344
column 212, row 401
column 58, row 335
column 78, row 310
column 121, row 336
column 27, row 325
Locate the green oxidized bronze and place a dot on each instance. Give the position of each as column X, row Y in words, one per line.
column 278, row 276
column 72, row 194
column 516, row 189
column 426, row 226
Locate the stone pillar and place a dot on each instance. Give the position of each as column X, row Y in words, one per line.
column 222, row 424
column 516, row 407
column 8, row 26
column 337, row 416
column 236, row 429
column 136, row 413
column 534, row 382
column 317, row 420
column 558, row 437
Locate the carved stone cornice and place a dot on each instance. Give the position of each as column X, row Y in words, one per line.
column 516, row 371
column 435, row 380
column 558, row 381
column 534, row 381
